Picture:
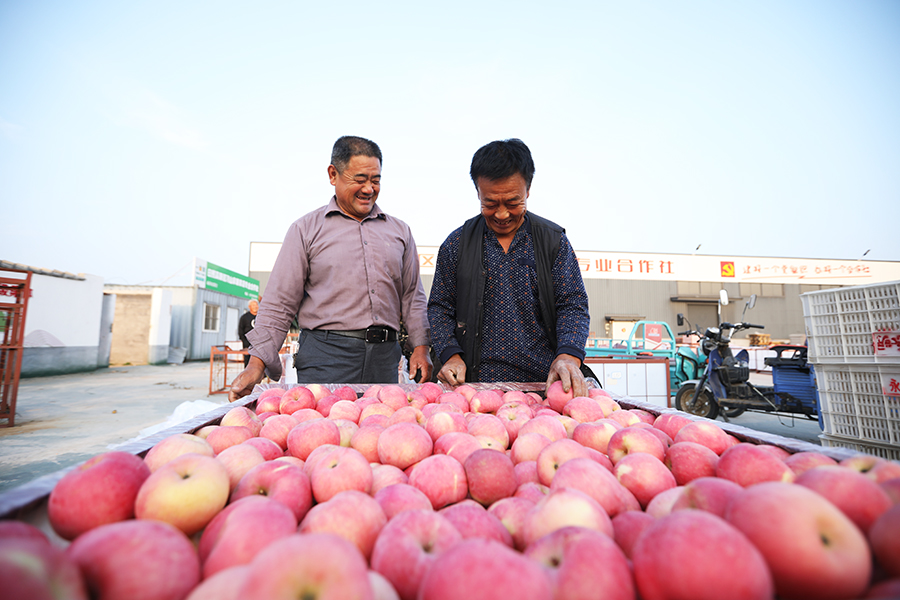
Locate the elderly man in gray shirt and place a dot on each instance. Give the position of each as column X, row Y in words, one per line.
column 349, row 273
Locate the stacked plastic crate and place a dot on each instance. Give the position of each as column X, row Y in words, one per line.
column 854, row 343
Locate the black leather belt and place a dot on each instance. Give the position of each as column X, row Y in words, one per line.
column 372, row 335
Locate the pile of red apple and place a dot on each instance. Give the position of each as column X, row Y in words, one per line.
column 436, row 495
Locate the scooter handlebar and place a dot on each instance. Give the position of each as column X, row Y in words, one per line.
column 751, row 325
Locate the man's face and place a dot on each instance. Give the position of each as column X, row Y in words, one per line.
column 253, row 306
column 503, row 203
column 356, row 189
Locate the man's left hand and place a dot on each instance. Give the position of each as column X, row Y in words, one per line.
column 567, row 369
column 420, row 360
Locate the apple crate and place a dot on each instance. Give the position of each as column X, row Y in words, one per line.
column 840, row 322
column 853, row 405
column 835, row 441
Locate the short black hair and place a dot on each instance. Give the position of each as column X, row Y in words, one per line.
column 502, row 159
column 348, row 146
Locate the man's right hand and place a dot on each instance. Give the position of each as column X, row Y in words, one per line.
column 248, row 378
column 453, row 372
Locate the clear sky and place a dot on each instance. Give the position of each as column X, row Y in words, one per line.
column 135, row 136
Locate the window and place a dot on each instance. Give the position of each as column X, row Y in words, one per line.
column 210, row 317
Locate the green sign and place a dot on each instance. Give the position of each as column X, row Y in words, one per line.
column 213, row 277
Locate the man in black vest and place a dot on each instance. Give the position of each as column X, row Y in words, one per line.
column 508, row 302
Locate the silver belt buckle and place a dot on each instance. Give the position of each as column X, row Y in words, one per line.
column 376, row 335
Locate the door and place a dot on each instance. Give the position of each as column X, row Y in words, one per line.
column 231, row 328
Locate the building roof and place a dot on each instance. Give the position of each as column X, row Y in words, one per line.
column 5, row 264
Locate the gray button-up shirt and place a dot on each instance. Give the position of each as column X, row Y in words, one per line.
column 334, row 272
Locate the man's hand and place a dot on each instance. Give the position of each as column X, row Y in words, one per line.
column 243, row 384
column 454, row 371
column 567, row 369
column 420, row 360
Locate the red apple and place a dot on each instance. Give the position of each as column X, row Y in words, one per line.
column 269, row 449
column 98, row 491
column 856, row 495
column 407, row 547
column 341, row 470
column 587, row 476
column 138, row 560
column 400, row 497
column 365, row 441
column 572, row 554
column 528, row 446
column 672, row 557
column 186, row 492
column 472, row 520
column 309, row 435
column 238, row 460
column 671, row 423
column 491, row 476
column 629, row 440
column 277, row 429
column 511, row 512
column 555, row 455
column 488, row 566
column 628, row 527
column 403, row 445
column 596, row 434
column 557, row 397
column 746, row 464
column 706, row 434
column 562, row 508
column 224, row 585
column 549, row 427
column 884, row 537
column 278, row 481
column 441, row 478
column 690, row 460
column 644, row 475
column 241, row 415
column 485, row 401
column 32, row 568
column 457, row 445
column 444, row 422
column 323, row 566
column 711, row 494
column 812, row 549
column 385, row 475
column 176, row 445
column 241, row 530
column 799, row 462
column 491, row 426
column 353, row 515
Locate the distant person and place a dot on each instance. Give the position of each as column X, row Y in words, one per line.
column 349, row 273
column 245, row 326
column 508, row 302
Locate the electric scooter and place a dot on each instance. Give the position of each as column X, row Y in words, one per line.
column 725, row 387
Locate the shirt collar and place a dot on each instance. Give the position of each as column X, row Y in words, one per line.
column 333, row 208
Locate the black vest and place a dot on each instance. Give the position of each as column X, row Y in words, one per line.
column 470, row 283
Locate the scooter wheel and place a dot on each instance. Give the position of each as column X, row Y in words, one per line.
column 704, row 406
column 732, row 413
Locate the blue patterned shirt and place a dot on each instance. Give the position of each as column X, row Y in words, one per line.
column 514, row 344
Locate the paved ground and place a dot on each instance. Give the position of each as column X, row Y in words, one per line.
column 66, row 419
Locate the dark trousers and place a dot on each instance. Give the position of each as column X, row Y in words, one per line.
column 326, row 357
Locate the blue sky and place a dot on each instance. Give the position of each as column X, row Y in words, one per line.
column 137, row 135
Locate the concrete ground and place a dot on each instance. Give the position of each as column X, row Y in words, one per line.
column 63, row 420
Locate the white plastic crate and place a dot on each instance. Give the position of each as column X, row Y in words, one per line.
column 853, row 405
column 840, row 322
column 833, row 441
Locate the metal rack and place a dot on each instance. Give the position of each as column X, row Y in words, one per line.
column 15, row 289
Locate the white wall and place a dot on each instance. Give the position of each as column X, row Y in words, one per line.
column 62, row 325
column 67, row 309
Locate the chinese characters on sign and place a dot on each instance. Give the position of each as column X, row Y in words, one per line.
column 625, row 265
column 805, row 271
column 886, row 343
column 890, row 385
